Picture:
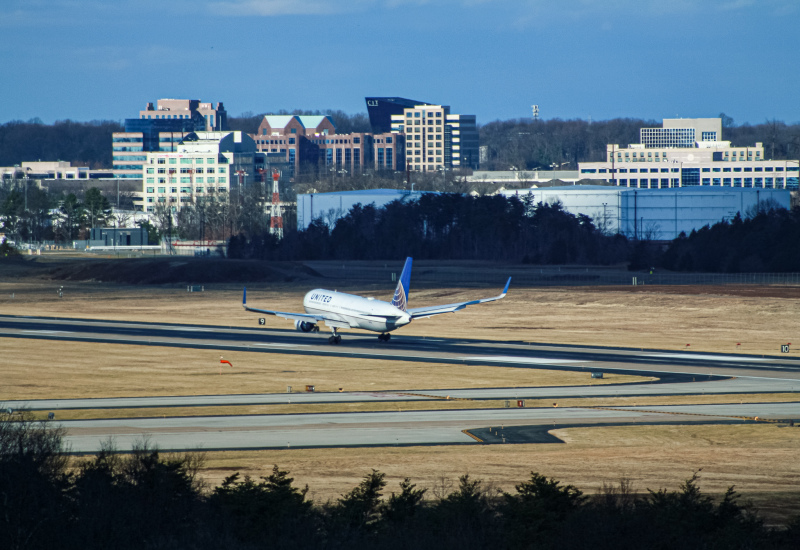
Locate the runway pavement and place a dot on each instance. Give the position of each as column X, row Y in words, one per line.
column 715, row 386
column 382, row 428
column 680, row 373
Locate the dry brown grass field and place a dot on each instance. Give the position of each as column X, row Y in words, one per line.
column 761, row 460
column 39, row 369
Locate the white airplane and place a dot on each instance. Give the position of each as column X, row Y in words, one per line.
column 339, row 310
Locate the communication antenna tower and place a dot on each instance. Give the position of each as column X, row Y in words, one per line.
column 535, row 109
column 275, row 220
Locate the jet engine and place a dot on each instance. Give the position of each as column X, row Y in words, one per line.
column 304, row 326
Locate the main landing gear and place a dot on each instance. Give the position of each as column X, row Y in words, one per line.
column 335, row 339
column 385, row 337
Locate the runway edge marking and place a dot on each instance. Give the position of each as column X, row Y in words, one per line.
column 676, row 413
column 473, row 436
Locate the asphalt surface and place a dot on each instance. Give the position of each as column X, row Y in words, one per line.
column 680, row 373
column 382, row 428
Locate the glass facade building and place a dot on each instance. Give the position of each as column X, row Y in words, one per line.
column 143, row 135
column 381, row 109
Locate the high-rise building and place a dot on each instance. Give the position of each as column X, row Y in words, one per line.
column 465, row 144
column 381, row 109
column 161, row 128
column 437, row 140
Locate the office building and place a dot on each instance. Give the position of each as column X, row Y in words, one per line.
column 312, row 142
column 437, row 140
column 432, row 132
column 682, row 132
column 203, row 165
column 381, row 109
column 161, row 128
column 686, row 153
column 214, row 118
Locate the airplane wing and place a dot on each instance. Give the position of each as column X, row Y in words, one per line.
column 305, row 317
column 430, row 311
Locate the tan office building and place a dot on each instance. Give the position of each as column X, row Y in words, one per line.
column 689, row 152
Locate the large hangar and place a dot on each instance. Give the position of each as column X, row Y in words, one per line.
column 329, row 207
column 657, row 214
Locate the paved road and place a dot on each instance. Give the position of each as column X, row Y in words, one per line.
column 716, row 386
column 382, row 428
column 680, row 373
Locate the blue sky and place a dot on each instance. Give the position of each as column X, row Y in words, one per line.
column 105, row 59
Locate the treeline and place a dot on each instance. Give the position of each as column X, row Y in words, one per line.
column 81, row 143
column 497, row 228
column 767, row 242
column 147, row 499
column 526, row 144
column 30, row 213
column 447, row 226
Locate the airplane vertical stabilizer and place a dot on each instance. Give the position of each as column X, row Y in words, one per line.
column 400, row 299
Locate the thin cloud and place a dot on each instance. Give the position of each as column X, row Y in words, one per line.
column 268, row 8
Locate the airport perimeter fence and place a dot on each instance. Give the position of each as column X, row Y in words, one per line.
column 467, row 275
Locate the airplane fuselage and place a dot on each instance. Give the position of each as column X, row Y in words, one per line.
column 355, row 311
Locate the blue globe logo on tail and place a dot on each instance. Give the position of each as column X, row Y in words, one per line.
column 400, row 299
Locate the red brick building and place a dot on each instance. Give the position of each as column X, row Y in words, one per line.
column 311, row 142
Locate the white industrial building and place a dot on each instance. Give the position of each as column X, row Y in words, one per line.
column 524, row 177
column 329, row 207
column 53, row 170
column 656, row 214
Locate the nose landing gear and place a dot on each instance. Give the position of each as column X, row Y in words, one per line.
column 335, row 339
column 385, row 337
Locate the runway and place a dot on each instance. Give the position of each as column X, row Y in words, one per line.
column 713, row 387
column 402, row 348
column 383, row 428
column 679, row 372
